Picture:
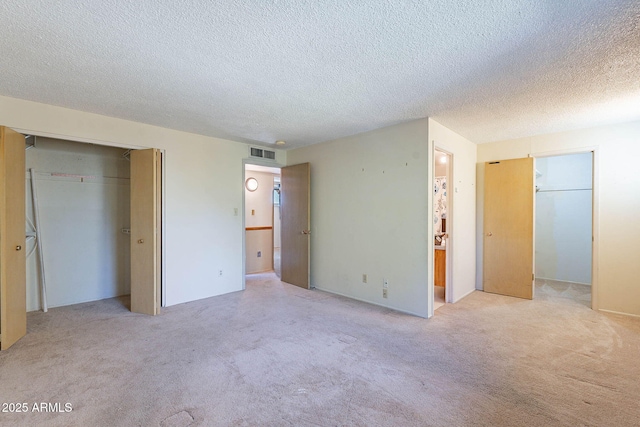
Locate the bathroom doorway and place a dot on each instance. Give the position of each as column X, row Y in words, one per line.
column 564, row 227
column 441, row 227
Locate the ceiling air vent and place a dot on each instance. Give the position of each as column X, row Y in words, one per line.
column 263, row 154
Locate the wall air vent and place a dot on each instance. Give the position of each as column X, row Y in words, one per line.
column 262, row 153
column 271, row 155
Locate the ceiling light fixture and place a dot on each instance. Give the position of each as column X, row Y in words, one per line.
column 280, row 142
column 251, row 184
column 443, row 159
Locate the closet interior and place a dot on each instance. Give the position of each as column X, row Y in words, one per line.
column 78, row 222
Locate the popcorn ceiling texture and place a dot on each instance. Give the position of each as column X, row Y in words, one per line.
column 308, row 71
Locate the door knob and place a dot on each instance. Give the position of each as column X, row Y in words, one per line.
column 489, row 234
column 305, row 232
column 18, row 248
column 141, row 241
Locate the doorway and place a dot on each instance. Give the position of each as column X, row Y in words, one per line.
column 441, row 227
column 510, row 262
column 277, row 217
column 262, row 219
column 564, row 226
column 78, row 206
column 294, row 207
column 94, row 224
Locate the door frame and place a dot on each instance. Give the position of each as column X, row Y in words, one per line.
column 163, row 190
column 595, row 210
column 257, row 162
column 431, row 250
column 448, row 288
column 431, row 149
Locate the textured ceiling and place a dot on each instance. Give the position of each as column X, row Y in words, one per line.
column 307, row 71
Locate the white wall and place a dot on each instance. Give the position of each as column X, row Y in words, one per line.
column 563, row 218
column 441, row 168
column 617, row 185
column 461, row 199
column 86, row 255
column 369, row 215
column 259, row 241
column 276, row 215
column 259, row 213
column 371, row 209
column 258, row 203
column 203, row 186
column 276, row 226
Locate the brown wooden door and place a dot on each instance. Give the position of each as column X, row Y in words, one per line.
column 440, row 268
column 13, row 293
column 508, row 227
column 145, row 231
column 295, row 202
column 158, row 191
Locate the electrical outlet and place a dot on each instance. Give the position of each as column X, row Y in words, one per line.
column 385, row 293
column 259, row 254
column 385, row 284
column 220, row 273
column 235, row 211
column 364, row 278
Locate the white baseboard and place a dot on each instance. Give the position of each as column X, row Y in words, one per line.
column 563, row 281
column 619, row 312
column 465, row 295
column 371, row 302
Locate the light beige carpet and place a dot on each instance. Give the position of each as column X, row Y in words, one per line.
column 438, row 297
column 277, row 355
column 276, row 261
column 554, row 288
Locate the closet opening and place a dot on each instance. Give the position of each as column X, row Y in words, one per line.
column 94, row 223
column 78, row 223
column 86, row 221
column 564, row 227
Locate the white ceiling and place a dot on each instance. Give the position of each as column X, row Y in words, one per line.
column 307, row 71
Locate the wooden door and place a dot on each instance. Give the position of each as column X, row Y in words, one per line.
column 440, row 268
column 159, row 244
column 13, row 293
column 145, row 231
column 295, row 202
column 508, row 227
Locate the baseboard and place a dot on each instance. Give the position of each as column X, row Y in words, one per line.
column 260, row 272
column 371, row 302
column 564, row 281
column 619, row 312
column 465, row 295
